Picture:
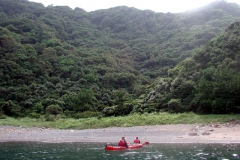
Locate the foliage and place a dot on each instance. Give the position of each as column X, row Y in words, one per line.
column 54, row 110
column 51, row 118
column 174, row 106
column 11, row 109
column 117, row 61
column 208, row 82
column 87, row 114
column 81, row 102
column 120, row 121
column 109, row 111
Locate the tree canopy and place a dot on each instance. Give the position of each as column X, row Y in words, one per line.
column 118, row 61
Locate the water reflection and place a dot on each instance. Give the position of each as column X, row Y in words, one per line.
column 83, row 151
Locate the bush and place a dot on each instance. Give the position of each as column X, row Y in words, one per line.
column 51, row 118
column 69, row 113
column 2, row 116
column 12, row 109
column 38, row 108
column 109, row 111
column 54, row 110
column 34, row 115
column 87, row 114
column 174, row 106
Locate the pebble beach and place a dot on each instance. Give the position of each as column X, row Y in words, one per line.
column 180, row 133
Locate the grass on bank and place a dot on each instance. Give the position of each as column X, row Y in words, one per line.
column 124, row 121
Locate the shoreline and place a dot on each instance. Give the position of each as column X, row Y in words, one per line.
column 180, row 133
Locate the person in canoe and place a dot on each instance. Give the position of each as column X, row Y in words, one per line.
column 123, row 142
column 137, row 140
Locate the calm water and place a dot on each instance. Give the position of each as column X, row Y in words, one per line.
column 70, row 151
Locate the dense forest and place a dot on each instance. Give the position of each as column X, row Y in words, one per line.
column 118, row 61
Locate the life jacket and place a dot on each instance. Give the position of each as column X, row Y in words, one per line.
column 136, row 141
column 122, row 143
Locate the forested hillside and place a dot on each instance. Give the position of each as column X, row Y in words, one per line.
column 117, row 61
column 207, row 82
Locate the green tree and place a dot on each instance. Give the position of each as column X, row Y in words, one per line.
column 202, row 102
column 83, row 101
column 54, row 109
column 175, row 106
column 121, row 97
column 12, row 109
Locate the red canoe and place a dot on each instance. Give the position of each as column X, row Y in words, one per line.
column 113, row 148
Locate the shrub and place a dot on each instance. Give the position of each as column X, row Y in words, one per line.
column 109, row 111
column 50, row 118
column 34, row 115
column 54, row 110
column 38, row 108
column 2, row 116
column 69, row 113
column 87, row 114
column 174, row 106
column 11, row 109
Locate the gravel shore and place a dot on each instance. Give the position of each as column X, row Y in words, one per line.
column 181, row 133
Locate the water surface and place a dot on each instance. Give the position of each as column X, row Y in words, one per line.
column 72, row 151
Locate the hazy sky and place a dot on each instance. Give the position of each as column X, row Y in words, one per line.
column 173, row 6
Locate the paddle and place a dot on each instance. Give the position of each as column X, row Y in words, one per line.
column 146, row 143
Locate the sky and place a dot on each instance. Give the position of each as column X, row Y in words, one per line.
column 173, row 6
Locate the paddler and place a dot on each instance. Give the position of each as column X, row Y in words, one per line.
column 123, row 142
column 137, row 140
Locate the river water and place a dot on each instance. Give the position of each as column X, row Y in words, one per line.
column 85, row 151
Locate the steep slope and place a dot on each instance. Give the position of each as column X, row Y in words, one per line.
column 100, row 62
column 208, row 82
column 159, row 41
